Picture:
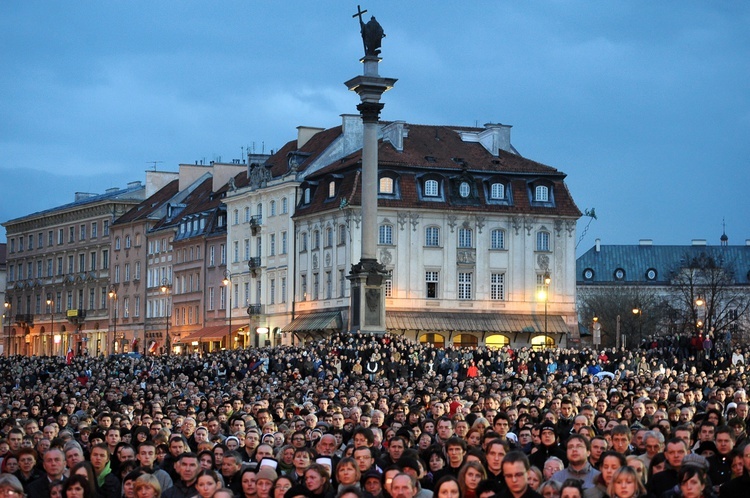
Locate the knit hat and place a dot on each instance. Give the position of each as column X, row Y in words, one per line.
column 547, row 426
column 266, row 473
column 409, row 462
column 695, row 460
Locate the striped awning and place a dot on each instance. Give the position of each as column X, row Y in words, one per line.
column 473, row 322
column 327, row 320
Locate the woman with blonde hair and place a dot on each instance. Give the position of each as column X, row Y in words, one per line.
column 147, row 486
column 626, row 484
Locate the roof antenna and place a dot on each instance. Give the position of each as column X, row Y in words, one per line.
column 154, row 163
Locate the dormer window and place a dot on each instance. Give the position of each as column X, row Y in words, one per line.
column 431, row 188
column 331, row 189
column 386, row 185
column 497, row 191
column 306, row 196
column 541, row 193
column 464, row 189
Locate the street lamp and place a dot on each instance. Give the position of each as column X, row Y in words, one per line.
column 50, row 302
column 6, row 316
column 638, row 312
column 227, row 282
column 699, row 324
column 165, row 290
column 113, row 297
column 544, row 296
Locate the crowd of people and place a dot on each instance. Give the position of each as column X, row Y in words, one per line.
column 357, row 416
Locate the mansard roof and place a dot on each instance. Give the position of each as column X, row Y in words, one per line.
column 146, row 208
column 655, row 264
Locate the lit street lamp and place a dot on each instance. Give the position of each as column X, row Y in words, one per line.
column 544, row 296
column 699, row 324
column 167, row 312
column 639, row 315
column 50, row 302
column 113, row 297
column 227, row 282
column 6, row 316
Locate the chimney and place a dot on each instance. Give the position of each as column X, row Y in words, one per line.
column 598, row 245
column 699, row 242
column 646, row 242
column 305, row 133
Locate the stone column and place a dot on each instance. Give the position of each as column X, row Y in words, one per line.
column 367, row 308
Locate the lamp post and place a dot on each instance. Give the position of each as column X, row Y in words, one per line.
column 638, row 312
column 699, row 324
column 544, row 296
column 227, row 283
column 50, row 302
column 6, row 316
column 113, row 297
column 167, row 312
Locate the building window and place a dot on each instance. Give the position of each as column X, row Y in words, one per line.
column 71, row 234
column 222, row 254
column 497, row 191
column 284, row 242
column 432, row 236
column 329, row 237
column 272, row 245
column 342, row 235
column 51, row 237
column 329, row 285
column 105, row 259
column 272, row 291
column 541, row 193
column 284, row 205
column 306, row 196
column 431, row 188
column 127, row 242
column 223, row 297
column 60, row 236
column 117, row 243
column 542, row 241
column 236, row 252
column 316, row 239
column 247, row 214
column 212, row 256
column 92, row 261
column 386, row 185
column 316, row 286
column 82, row 234
column 283, row 290
column 431, row 281
column 106, row 227
column 497, row 286
column 211, row 298
column 236, row 217
column 497, row 239
column 117, row 274
column 385, row 235
column 259, row 247
column 303, row 287
column 465, row 238
column 247, row 249
column 331, row 189
column 388, row 284
column 464, row 285
column 303, row 242
column 272, row 208
column 464, row 189
column 137, row 270
column 342, row 282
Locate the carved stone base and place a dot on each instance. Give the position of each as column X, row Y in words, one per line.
column 367, row 308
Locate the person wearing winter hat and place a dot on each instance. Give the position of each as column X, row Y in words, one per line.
column 264, row 479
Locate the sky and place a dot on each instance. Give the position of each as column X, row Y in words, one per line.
column 644, row 105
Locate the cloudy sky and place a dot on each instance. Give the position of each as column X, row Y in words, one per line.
column 645, row 105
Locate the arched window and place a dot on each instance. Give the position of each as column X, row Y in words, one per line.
column 435, row 340
column 431, row 188
column 273, row 208
column 497, row 191
column 541, row 193
column 497, row 341
column 247, row 214
column 386, row 185
column 259, row 210
column 465, row 341
column 465, row 238
column 497, row 237
column 235, row 217
column 542, row 342
column 432, row 236
column 127, row 242
column 464, row 189
column 284, row 205
column 542, row 241
column 385, row 235
column 117, row 243
column 329, row 237
column 331, row 189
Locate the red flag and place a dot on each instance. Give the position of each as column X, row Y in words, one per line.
column 153, row 347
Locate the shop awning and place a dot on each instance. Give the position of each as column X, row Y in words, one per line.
column 328, row 320
column 473, row 322
column 213, row 333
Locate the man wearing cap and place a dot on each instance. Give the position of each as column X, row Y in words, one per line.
column 548, row 446
column 373, row 487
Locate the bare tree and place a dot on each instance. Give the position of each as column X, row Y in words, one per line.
column 705, row 295
column 641, row 311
